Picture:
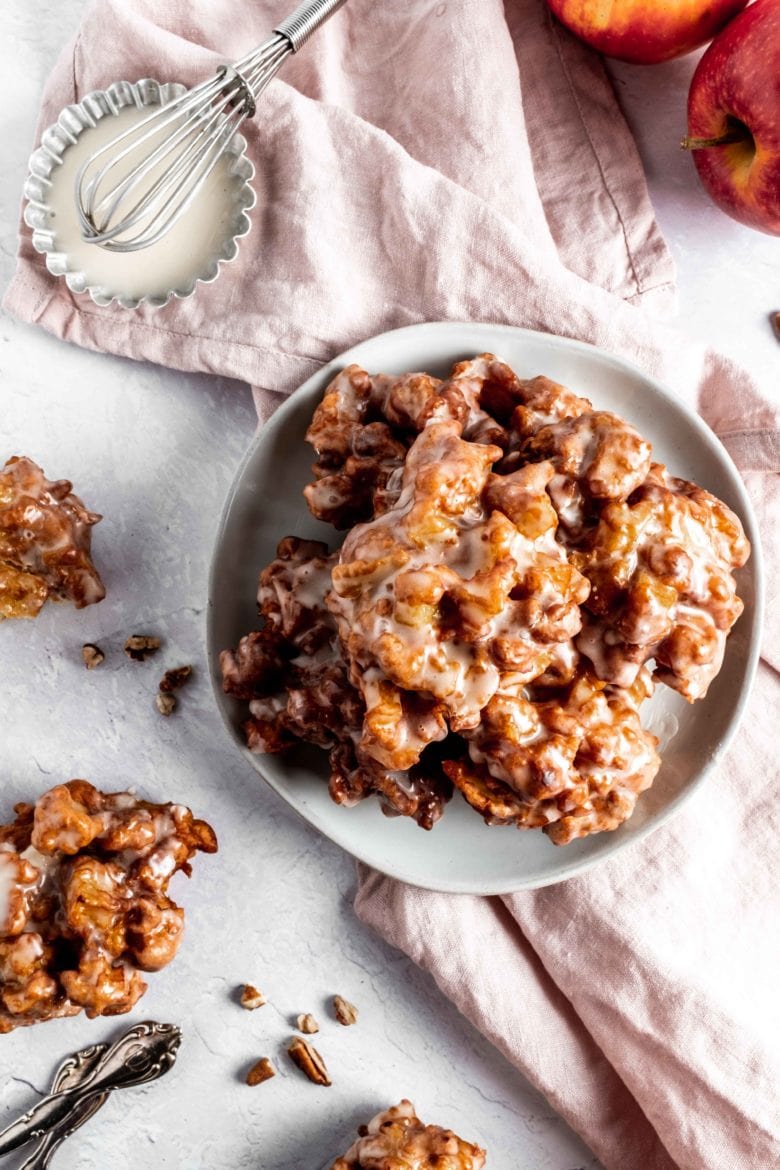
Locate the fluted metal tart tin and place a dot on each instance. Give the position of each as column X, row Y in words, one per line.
column 40, row 213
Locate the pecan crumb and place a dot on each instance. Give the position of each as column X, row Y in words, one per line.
column 262, row 1071
column 140, row 646
column 775, row 319
column 92, row 655
column 308, row 1060
column 251, row 998
column 346, row 1012
column 173, row 679
column 165, row 704
column 307, row 1023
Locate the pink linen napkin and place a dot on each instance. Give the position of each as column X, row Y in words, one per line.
column 465, row 159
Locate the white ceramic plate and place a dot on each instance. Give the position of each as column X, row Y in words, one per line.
column 461, row 853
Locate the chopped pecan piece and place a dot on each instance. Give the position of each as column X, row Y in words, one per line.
column 346, row 1012
column 309, row 1061
column 263, row 1070
column 165, row 704
column 173, row 679
column 92, row 655
column 139, row 647
column 308, row 1024
column 251, row 998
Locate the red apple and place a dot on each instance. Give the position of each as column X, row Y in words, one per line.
column 645, row 31
column 734, row 117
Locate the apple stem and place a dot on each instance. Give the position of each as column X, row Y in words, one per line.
column 736, row 134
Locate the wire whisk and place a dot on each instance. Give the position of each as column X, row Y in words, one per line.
column 131, row 191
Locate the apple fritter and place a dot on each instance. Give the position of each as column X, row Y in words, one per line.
column 84, row 907
column 571, row 764
column 45, row 542
column 660, row 563
column 397, row 1140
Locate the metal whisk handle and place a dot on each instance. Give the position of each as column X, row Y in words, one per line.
column 305, row 20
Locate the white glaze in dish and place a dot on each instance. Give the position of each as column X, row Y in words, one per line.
column 173, row 261
column 193, row 251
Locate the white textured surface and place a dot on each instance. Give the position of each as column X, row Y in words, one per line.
column 155, row 452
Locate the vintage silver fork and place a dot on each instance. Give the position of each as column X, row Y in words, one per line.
column 70, row 1073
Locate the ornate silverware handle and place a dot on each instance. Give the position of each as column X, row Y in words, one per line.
column 72, row 1070
column 306, row 19
column 144, row 1053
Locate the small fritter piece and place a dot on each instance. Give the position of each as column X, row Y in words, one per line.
column 256, row 666
column 291, row 671
column 603, row 451
column 421, row 792
column 45, row 542
column 398, row 725
column 538, row 402
column 298, row 686
column 527, row 407
column 443, row 592
column 294, row 646
column 356, row 445
column 291, row 593
column 397, row 1140
column 83, row 900
column 596, row 457
column 660, row 565
column 470, row 389
column 572, row 765
column 314, row 702
column 365, row 424
column 322, row 703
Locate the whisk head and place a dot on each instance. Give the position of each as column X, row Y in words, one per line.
column 131, row 191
